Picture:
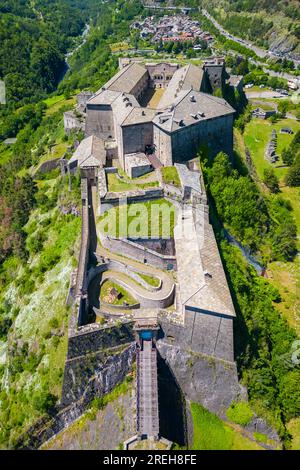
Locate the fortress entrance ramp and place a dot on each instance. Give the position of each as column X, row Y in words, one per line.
column 147, row 391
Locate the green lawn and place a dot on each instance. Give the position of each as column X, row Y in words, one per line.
column 151, row 219
column 211, row 433
column 116, row 185
column 257, row 89
column 56, row 102
column 170, row 176
column 294, row 429
column 124, row 295
column 257, row 135
column 152, row 281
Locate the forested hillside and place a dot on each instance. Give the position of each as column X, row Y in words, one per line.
column 34, row 37
column 38, row 230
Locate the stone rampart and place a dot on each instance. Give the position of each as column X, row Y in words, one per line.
column 138, row 195
column 86, row 340
column 138, row 252
column 47, row 166
column 204, row 378
column 94, row 375
column 85, row 379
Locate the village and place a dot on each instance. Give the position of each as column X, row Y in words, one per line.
column 178, row 28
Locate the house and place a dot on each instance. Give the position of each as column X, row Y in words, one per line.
column 286, row 130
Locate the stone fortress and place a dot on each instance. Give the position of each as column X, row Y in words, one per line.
column 140, row 130
column 180, row 330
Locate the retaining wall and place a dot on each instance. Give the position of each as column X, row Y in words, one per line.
column 47, row 166
column 123, row 268
column 138, row 252
column 144, row 301
column 139, row 195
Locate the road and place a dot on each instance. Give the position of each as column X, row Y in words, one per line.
column 264, row 94
column 258, row 51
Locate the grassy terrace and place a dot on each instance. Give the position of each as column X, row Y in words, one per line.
column 170, row 176
column 257, row 135
column 124, row 296
column 151, row 219
column 152, row 281
column 116, row 185
column 56, row 102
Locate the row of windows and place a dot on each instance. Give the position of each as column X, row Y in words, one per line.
column 160, row 77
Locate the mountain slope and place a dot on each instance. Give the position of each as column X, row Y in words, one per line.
column 34, row 37
column 270, row 24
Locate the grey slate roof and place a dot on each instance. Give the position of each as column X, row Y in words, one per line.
column 191, row 107
column 185, row 78
column 126, row 79
column 189, row 179
column 123, row 106
column 90, row 153
column 139, row 115
column 202, row 281
column 104, row 97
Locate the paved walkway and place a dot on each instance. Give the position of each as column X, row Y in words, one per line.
column 167, row 281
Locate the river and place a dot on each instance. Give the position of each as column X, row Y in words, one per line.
column 260, row 269
column 84, row 37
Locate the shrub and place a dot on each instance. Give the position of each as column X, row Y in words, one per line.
column 44, row 401
column 271, row 180
column 55, row 341
column 53, row 323
column 240, row 413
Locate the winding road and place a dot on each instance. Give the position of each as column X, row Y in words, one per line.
column 117, row 264
column 262, row 53
column 163, row 295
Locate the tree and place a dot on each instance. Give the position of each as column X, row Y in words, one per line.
column 283, row 107
column 271, row 180
column 287, row 156
column 242, row 68
column 293, row 175
column 44, row 401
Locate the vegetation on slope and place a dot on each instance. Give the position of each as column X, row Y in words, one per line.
column 264, row 22
column 211, row 433
column 264, row 226
column 38, row 228
column 34, row 38
column 263, row 341
column 33, row 304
